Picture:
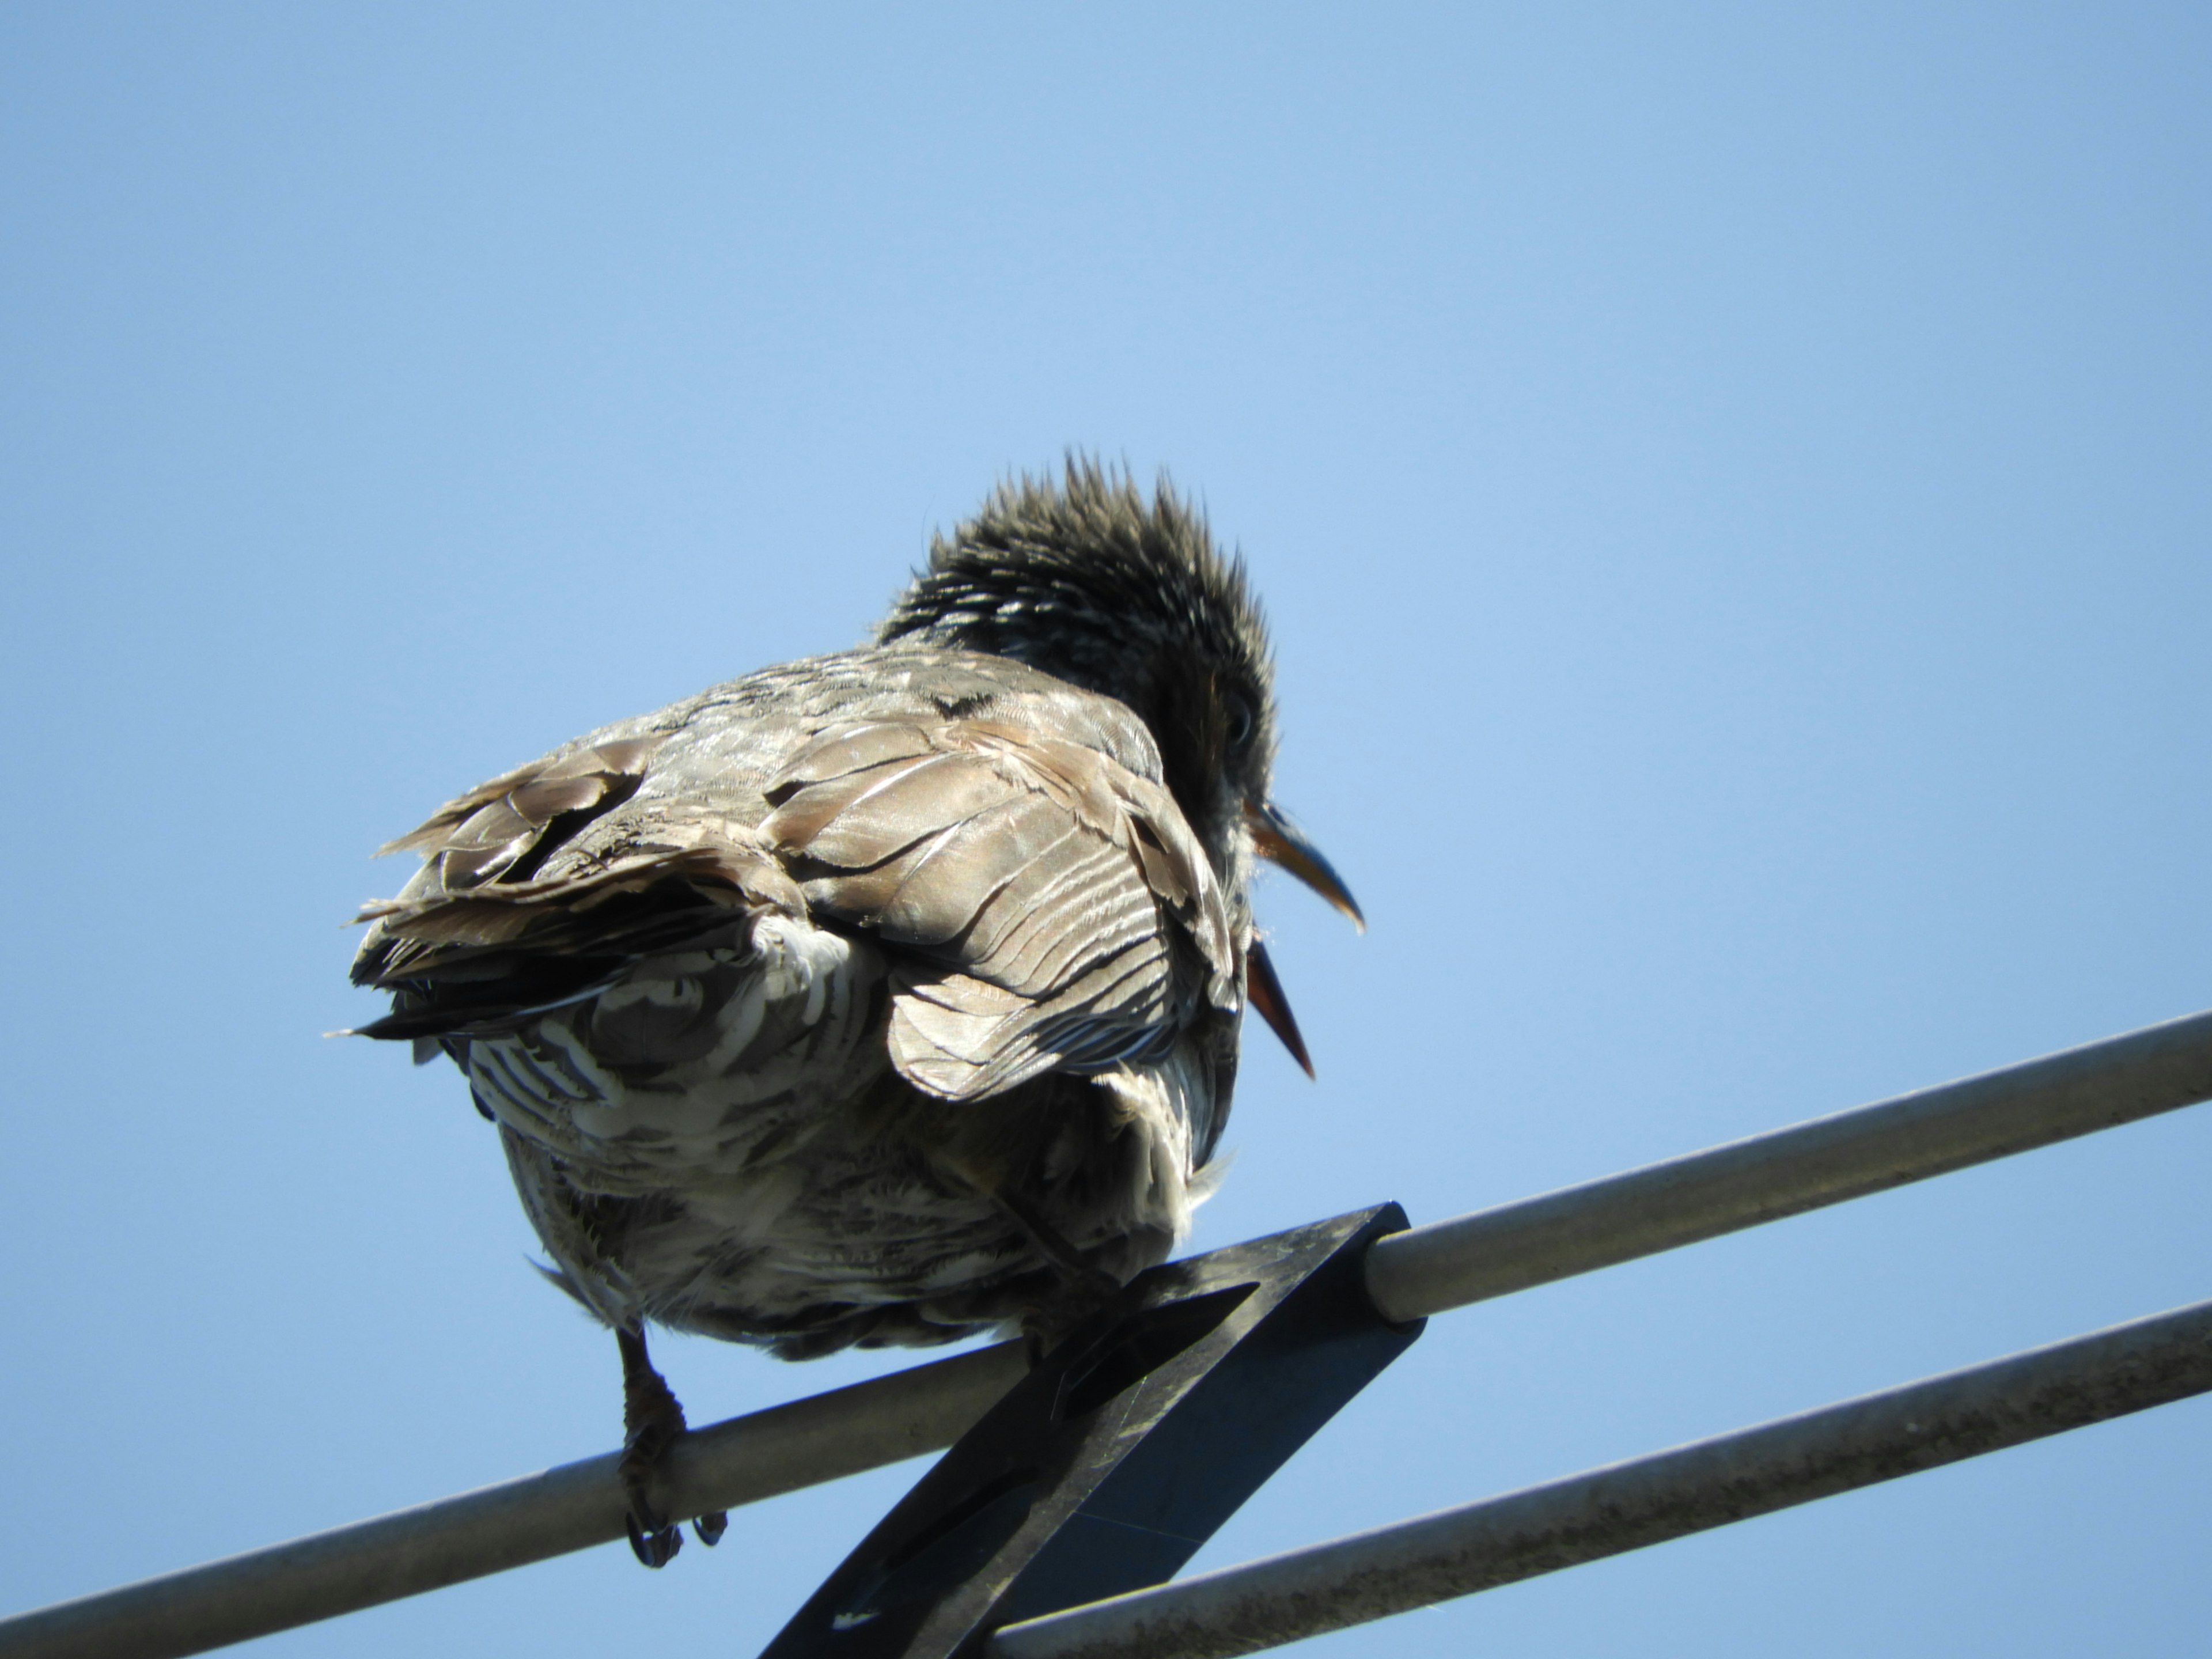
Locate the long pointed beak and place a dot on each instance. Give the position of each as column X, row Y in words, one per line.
column 1280, row 842
column 1265, row 993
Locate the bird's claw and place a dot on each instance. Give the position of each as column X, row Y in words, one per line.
column 653, row 1538
column 653, row 1547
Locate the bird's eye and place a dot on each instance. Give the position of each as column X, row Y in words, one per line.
column 1239, row 722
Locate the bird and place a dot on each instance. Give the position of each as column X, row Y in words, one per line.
column 887, row 997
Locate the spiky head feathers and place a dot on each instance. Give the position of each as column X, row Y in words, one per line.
column 1084, row 578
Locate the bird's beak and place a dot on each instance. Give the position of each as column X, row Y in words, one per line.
column 1279, row 841
column 1265, row 993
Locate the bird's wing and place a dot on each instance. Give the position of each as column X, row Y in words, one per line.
column 512, row 820
column 535, row 893
column 1045, row 907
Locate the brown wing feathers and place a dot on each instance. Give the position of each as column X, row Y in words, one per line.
column 1052, row 908
column 1035, row 870
column 505, row 829
column 479, row 937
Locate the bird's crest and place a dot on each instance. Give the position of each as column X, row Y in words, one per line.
column 1084, row 575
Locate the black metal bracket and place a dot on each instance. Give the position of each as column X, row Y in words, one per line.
column 1108, row 1466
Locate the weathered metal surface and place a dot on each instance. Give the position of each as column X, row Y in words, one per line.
column 1627, row 1506
column 1472, row 1258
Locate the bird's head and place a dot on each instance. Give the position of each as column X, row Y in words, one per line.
column 1084, row 578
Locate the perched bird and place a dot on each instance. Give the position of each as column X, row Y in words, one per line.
column 883, row 997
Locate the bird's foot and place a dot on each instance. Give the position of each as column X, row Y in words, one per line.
column 1085, row 1290
column 1082, row 1279
column 1078, row 1299
column 652, row 1421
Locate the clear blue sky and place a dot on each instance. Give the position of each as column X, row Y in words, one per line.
column 1731, row 487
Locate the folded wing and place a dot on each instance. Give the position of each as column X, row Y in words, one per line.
column 1041, row 907
column 1047, row 909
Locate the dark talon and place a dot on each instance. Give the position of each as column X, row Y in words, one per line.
column 654, row 1549
column 710, row 1528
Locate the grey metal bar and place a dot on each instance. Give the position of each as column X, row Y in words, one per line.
column 1428, row 1270
column 1626, row 1506
column 746, row 1459
column 1662, row 1206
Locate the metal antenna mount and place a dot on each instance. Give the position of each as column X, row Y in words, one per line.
column 1108, row 1466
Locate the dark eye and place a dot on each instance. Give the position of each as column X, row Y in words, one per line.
column 1239, row 722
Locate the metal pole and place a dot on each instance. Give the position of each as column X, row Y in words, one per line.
column 762, row 1454
column 1429, row 1270
column 1876, row 1437
column 1662, row 1206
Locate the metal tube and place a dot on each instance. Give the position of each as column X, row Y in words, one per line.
column 762, row 1454
column 1626, row 1506
column 1428, row 1270
column 1661, row 1206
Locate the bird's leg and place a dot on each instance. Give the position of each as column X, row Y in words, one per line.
column 652, row 1421
column 1054, row 1246
column 1090, row 1287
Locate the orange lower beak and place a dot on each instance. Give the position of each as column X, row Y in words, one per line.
column 1277, row 840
